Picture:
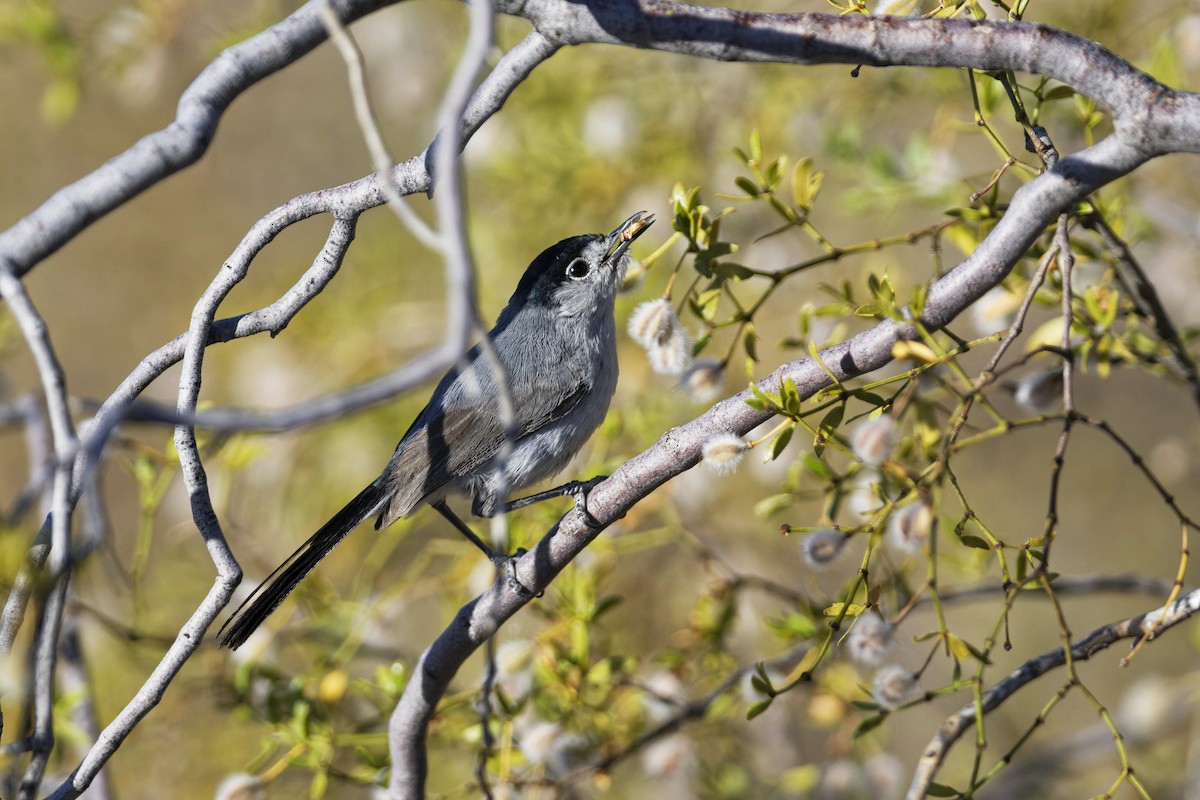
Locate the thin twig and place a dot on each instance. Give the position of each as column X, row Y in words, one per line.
column 1097, row 641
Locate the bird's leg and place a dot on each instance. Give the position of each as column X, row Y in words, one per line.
column 506, row 563
column 576, row 489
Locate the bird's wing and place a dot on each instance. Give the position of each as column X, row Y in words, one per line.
column 460, row 436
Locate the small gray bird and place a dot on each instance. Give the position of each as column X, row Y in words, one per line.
column 556, row 342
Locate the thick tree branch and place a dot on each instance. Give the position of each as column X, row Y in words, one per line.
column 1149, row 114
column 344, row 203
column 1149, row 119
column 1033, row 208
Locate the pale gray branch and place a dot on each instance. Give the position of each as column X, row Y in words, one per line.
column 1149, row 119
column 182, row 143
column 1152, row 625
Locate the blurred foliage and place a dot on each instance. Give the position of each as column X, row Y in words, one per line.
column 806, row 206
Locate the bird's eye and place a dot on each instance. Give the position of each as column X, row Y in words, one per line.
column 578, row 269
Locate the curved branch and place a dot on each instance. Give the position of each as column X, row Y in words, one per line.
column 1149, row 120
column 161, row 154
column 1151, row 625
column 344, row 202
column 1151, row 116
column 1033, row 207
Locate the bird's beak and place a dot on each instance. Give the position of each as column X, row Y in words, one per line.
column 620, row 239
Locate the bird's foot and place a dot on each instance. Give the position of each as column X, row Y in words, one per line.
column 580, row 491
column 508, row 565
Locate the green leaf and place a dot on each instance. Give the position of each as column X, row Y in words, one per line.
column 974, row 541
column 801, row 175
column 705, row 304
column 940, row 790
column 759, row 707
column 866, row 726
column 319, row 785
column 754, row 402
column 728, row 270
column 853, row 610
column 775, row 172
column 761, row 681
column 770, row 506
column 781, row 441
column 869, row 397
column 1059, row 93
column 746, row 185
column 750, row 342
column 817, row 467
column 770, row 403
column 606, row 604
column 816, row 356
column 831, row 421
column 958, row 648
column 790, row 397
column 785, row 211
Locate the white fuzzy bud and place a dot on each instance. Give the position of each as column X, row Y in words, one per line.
column 894, row 686
column 663, row 696
column 652, row 321
column 995, row 311
column 821, row 548
column 655, row 326
column 240, row 786
column 669, row 757
column 704, row 380
column 673, row 355
column 908, row 529
column 514, row 668
column 870, row 640
column 1040, row 392
column 724, row 453
column 538, row 741
column 872, row 439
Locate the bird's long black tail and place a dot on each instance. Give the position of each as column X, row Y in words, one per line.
column 280, row 583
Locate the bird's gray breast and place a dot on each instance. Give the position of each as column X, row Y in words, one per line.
column 558, row 403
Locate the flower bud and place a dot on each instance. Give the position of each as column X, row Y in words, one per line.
column 663, row 698
column 894, row 686
column 652, row 321
column 821, row 548
column 870, row 639
column 995, row 311
column 672, row 355
column 538, row 742
column 1040, row 392
column 704, row 380
column 872, row 439
column 669, row 757
column 240, row 786
column 908, row 529
column 724, row 453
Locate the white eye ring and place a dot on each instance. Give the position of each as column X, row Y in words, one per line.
column 578, row 269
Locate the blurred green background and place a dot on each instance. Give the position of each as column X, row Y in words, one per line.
column 594, row 134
